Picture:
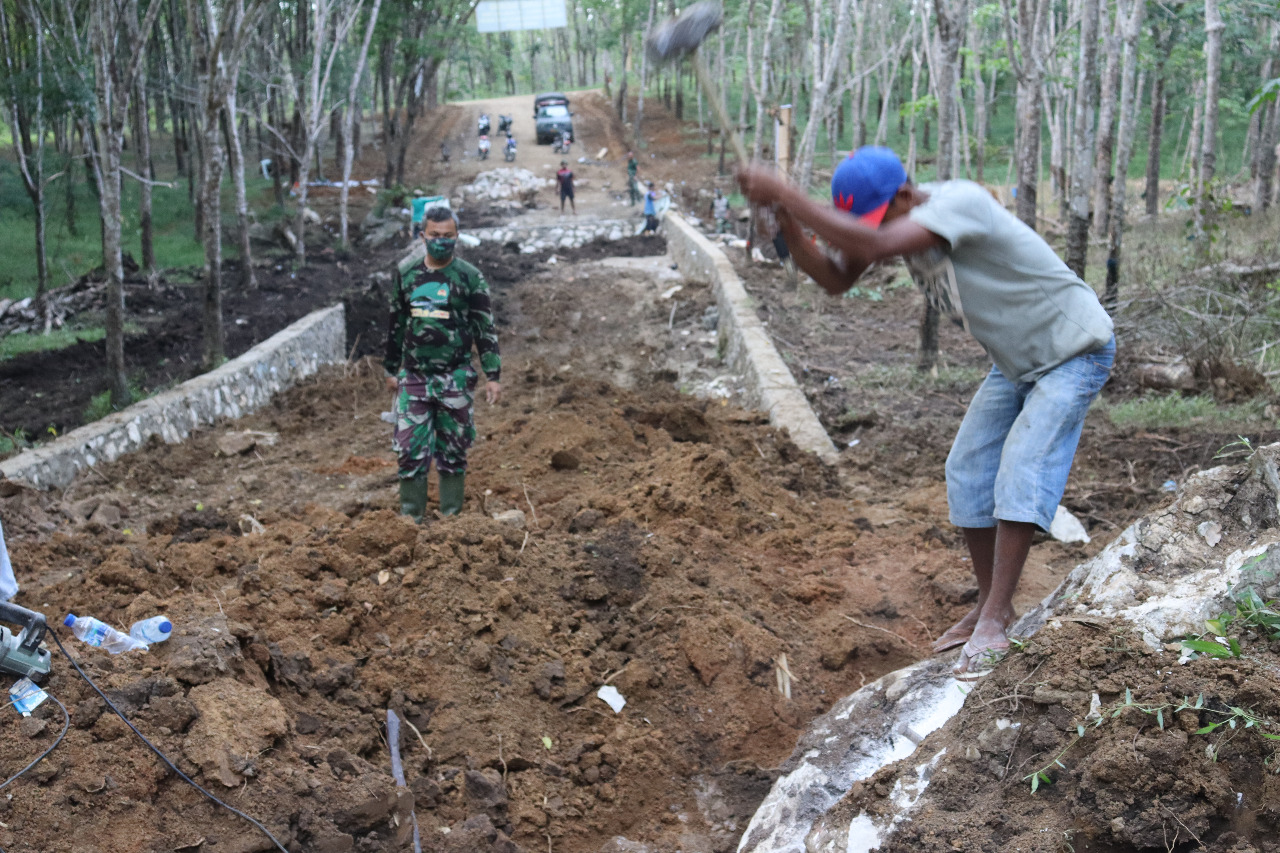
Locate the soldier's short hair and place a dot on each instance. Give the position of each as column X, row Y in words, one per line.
column 440, row 213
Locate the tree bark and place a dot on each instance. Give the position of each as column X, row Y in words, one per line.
column 348, row 148
column 1152, row 193
column 824, row 75
column 1213, row 27
column 1082, row 140
column 142, row 159
column 644, row 78
column 1130, row 12
column 235, row 154
column 1029, row 70
column 1264, row 152
column 1104, row 150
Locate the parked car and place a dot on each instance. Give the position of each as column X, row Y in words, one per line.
column 551, row 117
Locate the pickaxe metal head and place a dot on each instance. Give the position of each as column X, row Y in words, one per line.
column 674, row 39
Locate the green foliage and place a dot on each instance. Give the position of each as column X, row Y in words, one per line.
column 100, row 404
column 24, row 342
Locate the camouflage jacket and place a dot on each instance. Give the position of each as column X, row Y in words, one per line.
column 436, row 317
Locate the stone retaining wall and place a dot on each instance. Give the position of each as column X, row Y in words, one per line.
column 236, row 388
column 746, row 344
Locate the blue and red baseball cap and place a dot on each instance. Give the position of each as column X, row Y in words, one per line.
column 866, row 181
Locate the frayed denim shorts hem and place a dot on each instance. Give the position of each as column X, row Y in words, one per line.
column 1013, row 452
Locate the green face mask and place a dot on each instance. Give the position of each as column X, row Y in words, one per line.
column 441, row 248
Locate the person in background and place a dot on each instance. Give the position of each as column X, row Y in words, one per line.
column 651, row 209
column 440, row 309
column 564, row 179
column 419, row 212
column 720, row 212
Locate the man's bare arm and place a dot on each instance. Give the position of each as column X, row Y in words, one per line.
column 860, row 245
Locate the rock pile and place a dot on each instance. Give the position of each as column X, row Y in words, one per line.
column 539, row 239
column 506, row 184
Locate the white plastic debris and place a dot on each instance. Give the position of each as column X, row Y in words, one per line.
column 612, row 698
column 1066, row 527
column 26, row 696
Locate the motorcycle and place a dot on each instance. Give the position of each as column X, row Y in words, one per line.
column 509, row 153
column 484, row 148
column 563, row 143
column 482, row 125
column 504, row 124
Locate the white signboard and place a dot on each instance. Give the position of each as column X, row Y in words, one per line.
column 496, row 16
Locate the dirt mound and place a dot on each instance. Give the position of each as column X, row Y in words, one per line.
column 689, row 549
column 1174, row 757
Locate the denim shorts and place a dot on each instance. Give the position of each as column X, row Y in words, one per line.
column 1013, row 452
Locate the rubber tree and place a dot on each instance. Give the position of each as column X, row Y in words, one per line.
column 952, row 17
column 22, row 57
column 1026, row 52
column 114, row 61
column 1208, row 159
column 1267, row 117
column 219, row 36
column 348, row 118
column 1163, row 27
column 1082, row 140
column 1104, row 144
column 824, row 73
column 1130, row 14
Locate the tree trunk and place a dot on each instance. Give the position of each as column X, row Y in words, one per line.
column 1082, row 140
column 952, row 16
column 1213, row 28
column 760, row 87
column 1029, row 70
column 644, row 78
column 1104, row 150
column 235, row 152
column 823, row 76
column 348, row 148
column 212, row 350
column 1132, row 26
column 1264, row 153
column 1152, row 193
column 142, row 158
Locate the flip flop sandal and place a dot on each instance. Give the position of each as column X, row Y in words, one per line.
column 985, row 659
column 957, row 642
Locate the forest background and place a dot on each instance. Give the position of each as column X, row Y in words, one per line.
column 138, row 127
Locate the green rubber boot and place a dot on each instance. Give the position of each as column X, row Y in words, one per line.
column 413, row 497
column 451, row 488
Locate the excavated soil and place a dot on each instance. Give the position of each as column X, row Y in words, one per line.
column 1177, row 757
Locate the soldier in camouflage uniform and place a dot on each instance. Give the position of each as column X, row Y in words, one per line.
column 439, row 309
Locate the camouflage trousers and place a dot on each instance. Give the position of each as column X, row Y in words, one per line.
column 434, row 421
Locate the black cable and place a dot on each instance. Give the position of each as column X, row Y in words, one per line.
column 156, row 749
column 66, row 724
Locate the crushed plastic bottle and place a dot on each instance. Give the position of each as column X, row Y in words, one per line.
column 97, row 633
column 26, row 696
column 154, row 630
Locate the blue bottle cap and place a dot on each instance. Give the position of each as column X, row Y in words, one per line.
column 70, row 620
column 165, row 627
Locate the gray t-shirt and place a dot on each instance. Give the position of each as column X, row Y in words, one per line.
column 1003, row 283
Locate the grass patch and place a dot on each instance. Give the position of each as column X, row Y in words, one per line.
column 25, row 342
column 899, row 376
column 100, row 404
column 1162, row 411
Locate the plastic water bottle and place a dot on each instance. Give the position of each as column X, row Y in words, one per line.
column 97, row 633
column 154, row 630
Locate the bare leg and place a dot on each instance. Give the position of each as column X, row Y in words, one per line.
column 981, row 542
column 1012, row 543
